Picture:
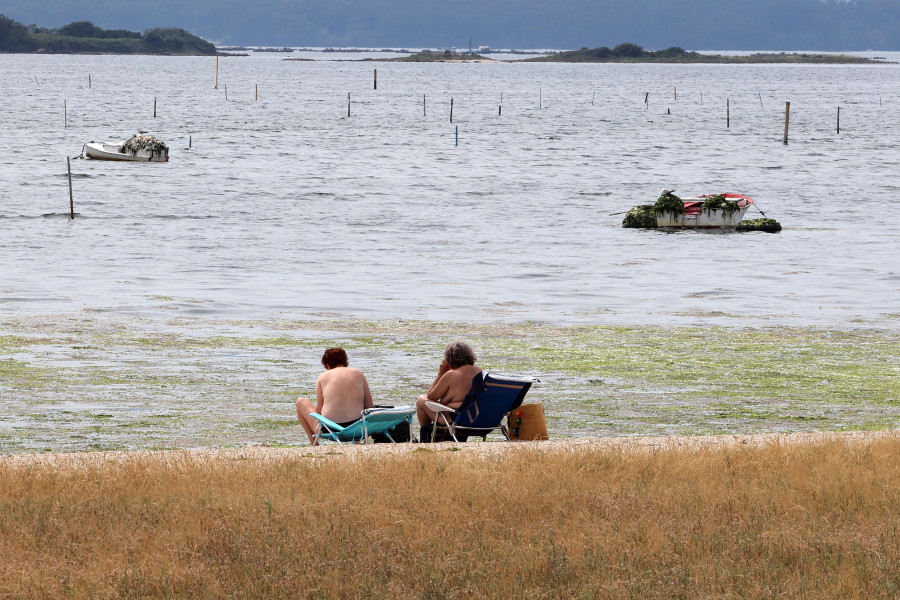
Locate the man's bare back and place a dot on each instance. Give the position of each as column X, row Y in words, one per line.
column 342, row 393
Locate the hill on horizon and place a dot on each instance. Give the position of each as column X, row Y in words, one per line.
column 789, row 25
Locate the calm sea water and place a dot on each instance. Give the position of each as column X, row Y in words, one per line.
column 286, row 206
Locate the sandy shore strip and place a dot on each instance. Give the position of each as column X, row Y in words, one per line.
column 478, row 449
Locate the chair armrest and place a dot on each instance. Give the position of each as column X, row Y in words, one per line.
column 326, row 421
column 438, row 407
column 394, row 410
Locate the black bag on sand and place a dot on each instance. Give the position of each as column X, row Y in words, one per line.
column 399, row 433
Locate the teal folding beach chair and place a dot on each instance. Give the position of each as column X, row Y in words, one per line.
column 373, row 420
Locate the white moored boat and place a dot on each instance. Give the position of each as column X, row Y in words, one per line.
column 713, row 211
column 137, row 148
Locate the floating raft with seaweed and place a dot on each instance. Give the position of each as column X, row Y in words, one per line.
column 712, row 211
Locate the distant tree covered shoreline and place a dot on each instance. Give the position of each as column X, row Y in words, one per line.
column 751, row 25
column 83, row 37
column 628, row 52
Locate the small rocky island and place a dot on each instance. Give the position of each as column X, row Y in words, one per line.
column 83, row 37
column 632, row 53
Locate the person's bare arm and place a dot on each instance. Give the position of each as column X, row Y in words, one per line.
column 439, row 391
column 367, row 395
column 320, row 397
column 433, row 393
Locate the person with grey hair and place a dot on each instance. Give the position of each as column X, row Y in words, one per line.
column 453, row 381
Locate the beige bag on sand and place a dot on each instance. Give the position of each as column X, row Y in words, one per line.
column 528, row 423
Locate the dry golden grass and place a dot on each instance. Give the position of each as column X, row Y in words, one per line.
column 782, row 519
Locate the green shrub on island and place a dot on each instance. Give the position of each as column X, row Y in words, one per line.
column 83, row 37
column 628, row 52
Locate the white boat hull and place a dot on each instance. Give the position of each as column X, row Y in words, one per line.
column 110, row 151
column 705, row 219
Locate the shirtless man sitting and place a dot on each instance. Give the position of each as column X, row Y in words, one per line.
column 453, row 381
column 342, row 393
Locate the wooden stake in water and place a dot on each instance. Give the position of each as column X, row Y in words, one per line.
column 89, row 81
column 728, row 112
column 701, row 97
column 676, row 93
column 457, row 135
column 71, row 199
column 839, row 120
column 36, row 81
column 65, row 115
column 154, row 107
column 500, row 110
column 760, row 98
column 540, row 99
column 592, row 96
column 217, row 71
column 647, row 100
column 451, row 110
column 376, row 79
column 226, row 92
column 423, row 105
column 190, row 141
column 787, row 120
column 348, row 104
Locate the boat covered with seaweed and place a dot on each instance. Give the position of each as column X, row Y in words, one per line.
column 713, row 211
column 137, row 148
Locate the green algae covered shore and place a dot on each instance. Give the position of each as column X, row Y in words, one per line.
column 99, row 381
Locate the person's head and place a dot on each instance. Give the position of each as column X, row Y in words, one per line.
column 458, row 354
column 334, row 357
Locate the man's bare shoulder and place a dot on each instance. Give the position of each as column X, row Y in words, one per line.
column 343, row 373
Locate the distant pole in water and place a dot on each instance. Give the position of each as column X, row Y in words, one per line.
column 376, row 79
column 39, row 83
column 647, row 99
column 728, row 112
column 499, row 110
column 217, row 71
column 65, row 115
column 457, row 135
column 348, row 104
column 189, row 141
column 89, row 81
column 839, row 120
column 423, row 105
column 540, row 99
column 154, row 107
column 760, row 98
column 787, row 120
column 226, row 92
column 451, row 110
column 71, row 199
column 701, row 97
column 676, row 93
column 257, row 92
column 593, row 95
